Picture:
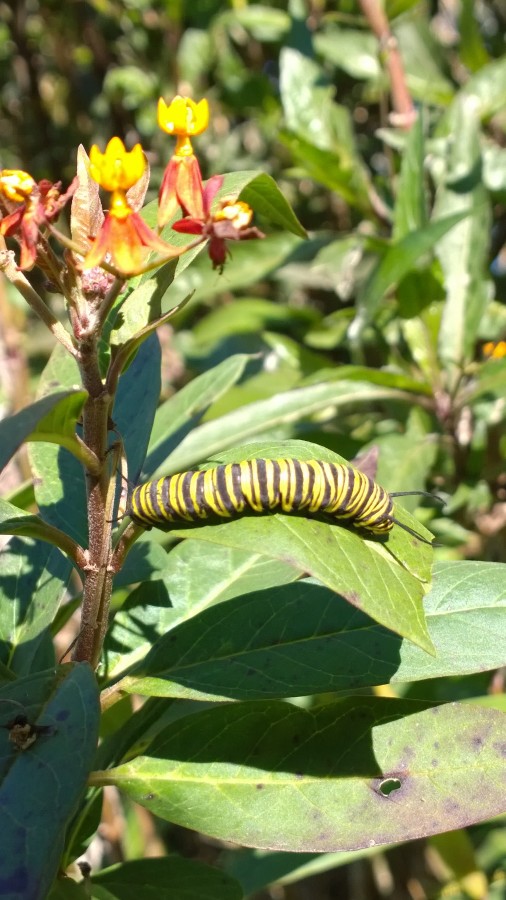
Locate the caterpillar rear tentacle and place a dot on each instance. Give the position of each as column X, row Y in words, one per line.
column 265, row 485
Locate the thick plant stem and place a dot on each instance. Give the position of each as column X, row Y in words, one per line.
column 99, row 575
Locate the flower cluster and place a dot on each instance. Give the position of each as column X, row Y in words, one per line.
column 30, row 207
column 182, row 186
column 124, row 235
column 122, row 239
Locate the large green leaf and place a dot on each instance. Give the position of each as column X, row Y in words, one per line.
column 354, row 51
column 52, row 418
column 59, row 479
column 286, row 407
column 410, row 213
column 193, row 580
column 399, row 260
column 264, row 196
column 263, row 22
column 487, row 87
column 136, row 402
column 170, row 878
column 50, row 775
column 361, row 571
column 14, row 521
column 300, row 639
column 338, row 777
column 178, row 415
column 320, row 132
column 463, row 252
column 33, row 581
column 422, row 59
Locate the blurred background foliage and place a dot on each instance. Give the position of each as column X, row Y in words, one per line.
column 400, row 287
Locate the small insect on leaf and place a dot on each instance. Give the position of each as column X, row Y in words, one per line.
column 23, row 733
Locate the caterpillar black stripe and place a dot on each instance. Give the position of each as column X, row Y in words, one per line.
column 264, row 485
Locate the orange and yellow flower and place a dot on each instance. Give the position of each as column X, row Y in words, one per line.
column 124, row 236
column 182, row 181
column 41, row 203
column 494, row 350
column 230, row 222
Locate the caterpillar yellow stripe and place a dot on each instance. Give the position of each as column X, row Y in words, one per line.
column 266, row 485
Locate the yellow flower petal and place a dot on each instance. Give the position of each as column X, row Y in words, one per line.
column 117, row 168
column 183, row 116
column 16, row 184
column 238, row 212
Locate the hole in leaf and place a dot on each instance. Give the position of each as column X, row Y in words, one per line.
column 388, row 786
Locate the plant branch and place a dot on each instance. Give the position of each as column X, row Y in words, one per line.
column 16, row 277
column 99, row 485
column 404, row 113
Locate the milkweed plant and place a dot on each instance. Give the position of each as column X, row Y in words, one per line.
column 165, row 663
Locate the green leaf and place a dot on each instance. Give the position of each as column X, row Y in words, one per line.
column 463, row 253
column 192, row 581
column 487, row 87
column 410, row 213
column 49, row 775
column 359, row 570
column 33, row 581
column 353, row 51
column 320, row 132
column 151, row 298
column 136, row 403
column 300, row 639
column 261, row 192
column 466, row 619
column 66, row 889
column 170, row 878
column 337, row 777
column 256, row 869
column 264, row 23
column 423, row 60
column 14, row 521
column 335, row 169
column 368, row 376
column 292, row 406
column 52, row 418
column 58, row 477
column 295, row 640
column 472, row 49
column 398, row 261
column 176, row 417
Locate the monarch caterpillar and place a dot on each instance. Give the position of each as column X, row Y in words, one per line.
column 264, row 485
